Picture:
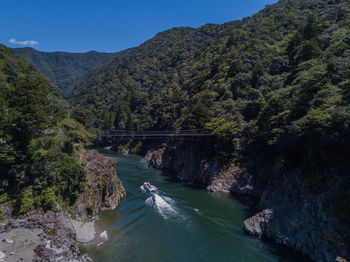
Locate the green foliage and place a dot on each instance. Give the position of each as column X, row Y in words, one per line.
column 27, row 201
column 71, row 211
column 235, row 67
column 4, row 198
column 223, row 129
column 308, row 50
column 227, row 144
column 311, row 29
column 53, row 231
column 75, row 132
column 38, row 143
column 71, row 178
column 48, row 198
column 66, row 69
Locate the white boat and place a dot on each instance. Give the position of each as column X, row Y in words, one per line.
column 149, row 188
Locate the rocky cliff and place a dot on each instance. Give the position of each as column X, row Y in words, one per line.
column 297, row 218
column 187, row 166
column 103, row 190
column 291, row 214
column 55, row 236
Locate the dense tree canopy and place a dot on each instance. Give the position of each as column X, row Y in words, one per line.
column 38, row 143
column 66, row 69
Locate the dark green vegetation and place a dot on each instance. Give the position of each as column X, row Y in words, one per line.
column 274, row 87
column 38, row 142
column 65, row 69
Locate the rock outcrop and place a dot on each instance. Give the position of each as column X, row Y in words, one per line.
column 103, row 190
column 256, row 226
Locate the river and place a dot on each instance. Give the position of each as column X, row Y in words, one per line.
column 179, row 223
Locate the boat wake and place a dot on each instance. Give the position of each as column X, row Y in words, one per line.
column 142, row 189
column 164, row 205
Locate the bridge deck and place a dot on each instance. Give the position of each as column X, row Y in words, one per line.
column 184, row 133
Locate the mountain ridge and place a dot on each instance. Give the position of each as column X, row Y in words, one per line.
column 66, row 69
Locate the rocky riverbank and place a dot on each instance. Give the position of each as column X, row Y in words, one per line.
column 54, row 236
column 47, row 237
column 291, row 214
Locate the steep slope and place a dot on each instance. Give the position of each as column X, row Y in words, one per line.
column 44, row 168
column 274, row 91
column 40, row 145
column 158, row 64
column 65, row 69
column 29, row 120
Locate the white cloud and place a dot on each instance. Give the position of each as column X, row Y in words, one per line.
column 26, row 42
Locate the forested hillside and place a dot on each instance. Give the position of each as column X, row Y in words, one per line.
column 38, row 142
column 274, row 85
column 65, row 69
column 133, row 83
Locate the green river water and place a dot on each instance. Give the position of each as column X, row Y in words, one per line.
column 179, row 223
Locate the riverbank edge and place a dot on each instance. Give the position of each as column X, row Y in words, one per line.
column 56, row 236
column 290, row 214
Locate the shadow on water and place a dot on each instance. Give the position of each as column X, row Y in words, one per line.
column 194, row 186
column 171, row 177
column 283, row 251
column 251, row 204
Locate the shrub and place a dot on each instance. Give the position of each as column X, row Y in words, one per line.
column 27, row 201
column 48, row 199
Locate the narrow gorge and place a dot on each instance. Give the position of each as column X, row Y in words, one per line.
column 227, row 141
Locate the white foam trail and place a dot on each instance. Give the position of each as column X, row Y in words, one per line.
column 149, row 201
column 142, row 189
column 161, row 205
column 169, row 200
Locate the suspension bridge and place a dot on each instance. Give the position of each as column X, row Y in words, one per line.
column 125, row 134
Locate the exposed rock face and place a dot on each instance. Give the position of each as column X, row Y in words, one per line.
column 257, row 225
column 181, row 162
column 104, row 190
column 48, row 237
column 297, row 218
column 291, row 214
column 187, row 167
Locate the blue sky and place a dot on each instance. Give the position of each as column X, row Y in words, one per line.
column 108, row 25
